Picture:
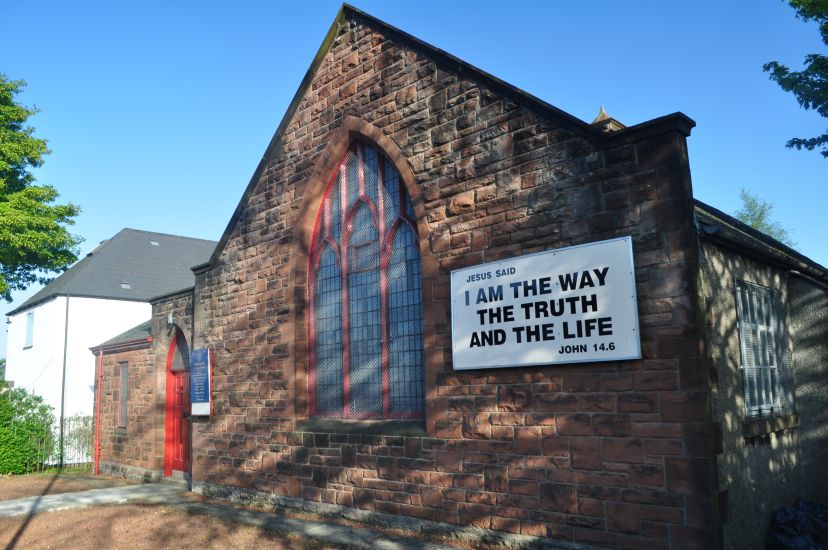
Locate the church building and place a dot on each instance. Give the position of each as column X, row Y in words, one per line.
column 443, row 302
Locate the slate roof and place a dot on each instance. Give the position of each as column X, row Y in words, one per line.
column 141, row 332
column 129, row 267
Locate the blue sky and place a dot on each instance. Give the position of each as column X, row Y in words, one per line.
column 157, row 113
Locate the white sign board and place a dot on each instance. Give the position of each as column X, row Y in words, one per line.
column 570, row 305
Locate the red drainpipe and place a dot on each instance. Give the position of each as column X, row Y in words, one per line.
column 98, row 413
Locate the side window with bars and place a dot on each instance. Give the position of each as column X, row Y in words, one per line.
column 766, row 372
column 365, row 328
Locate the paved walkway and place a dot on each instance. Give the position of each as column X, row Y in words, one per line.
column 109, row 495
column 171, row 494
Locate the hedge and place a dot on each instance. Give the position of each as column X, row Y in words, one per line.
column 25, row 430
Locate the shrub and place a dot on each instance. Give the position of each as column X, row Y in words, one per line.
column 25, row 430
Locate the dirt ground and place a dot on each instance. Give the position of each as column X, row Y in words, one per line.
column 33, row 485
column 141, row 526
column 152, row 526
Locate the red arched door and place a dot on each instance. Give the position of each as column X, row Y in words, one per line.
column 177, row 418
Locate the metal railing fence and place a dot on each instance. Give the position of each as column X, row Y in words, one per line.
column 73, row 450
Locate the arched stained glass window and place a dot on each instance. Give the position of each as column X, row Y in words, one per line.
column 365, row 295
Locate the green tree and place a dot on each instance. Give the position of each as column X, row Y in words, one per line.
column 809, row 86
column 2, row 369
column 25, row 430
column 34, row 240
column 756, row 213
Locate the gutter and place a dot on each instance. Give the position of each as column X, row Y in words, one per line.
column 174, row 294
column 720, row 228
column 63, row 381
column 25, row 307
column 128, row 345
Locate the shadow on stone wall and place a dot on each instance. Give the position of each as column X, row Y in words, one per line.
column 762, row 473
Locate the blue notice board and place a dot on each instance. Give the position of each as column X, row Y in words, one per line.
column 201, row 374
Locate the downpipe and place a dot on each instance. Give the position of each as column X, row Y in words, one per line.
column 99, row 381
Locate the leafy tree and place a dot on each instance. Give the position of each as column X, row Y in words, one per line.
column 34, row 240
column 756, row 213
column 25, row 430
column 809, row 86
column 2, row 368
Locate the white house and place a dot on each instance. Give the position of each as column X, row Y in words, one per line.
column 101, row 296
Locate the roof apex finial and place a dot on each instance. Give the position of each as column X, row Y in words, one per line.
column 606, row 123
column 602, row 116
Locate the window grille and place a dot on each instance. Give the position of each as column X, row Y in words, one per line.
column 365, row 327
column 765, row 362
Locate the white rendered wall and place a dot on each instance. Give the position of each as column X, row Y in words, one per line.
column 39, row 369
column 93, row 321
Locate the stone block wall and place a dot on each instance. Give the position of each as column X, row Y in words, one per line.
column 608, row 454
column 756, row 473
column 137, row 451
column 135, row 444
column 180, row 305
column 808, row 303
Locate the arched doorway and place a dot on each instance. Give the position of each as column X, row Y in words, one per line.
column 177, row 410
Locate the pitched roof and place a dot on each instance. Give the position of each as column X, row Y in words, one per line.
column 135, row 335
column 450, row 63
column 719, row 227
column 133, row 265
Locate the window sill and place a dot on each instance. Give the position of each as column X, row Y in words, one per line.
column 410, row 428
column 120, row 430
column 757, row 427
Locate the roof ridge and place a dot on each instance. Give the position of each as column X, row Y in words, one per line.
column 61, row 280
column 127, row 267
column 546, row 110
column 347, row 11
column 468, row 69
column 148, row 232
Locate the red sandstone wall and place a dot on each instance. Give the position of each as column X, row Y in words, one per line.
column 611, row 454
column 138, row 450
column 133, row 446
